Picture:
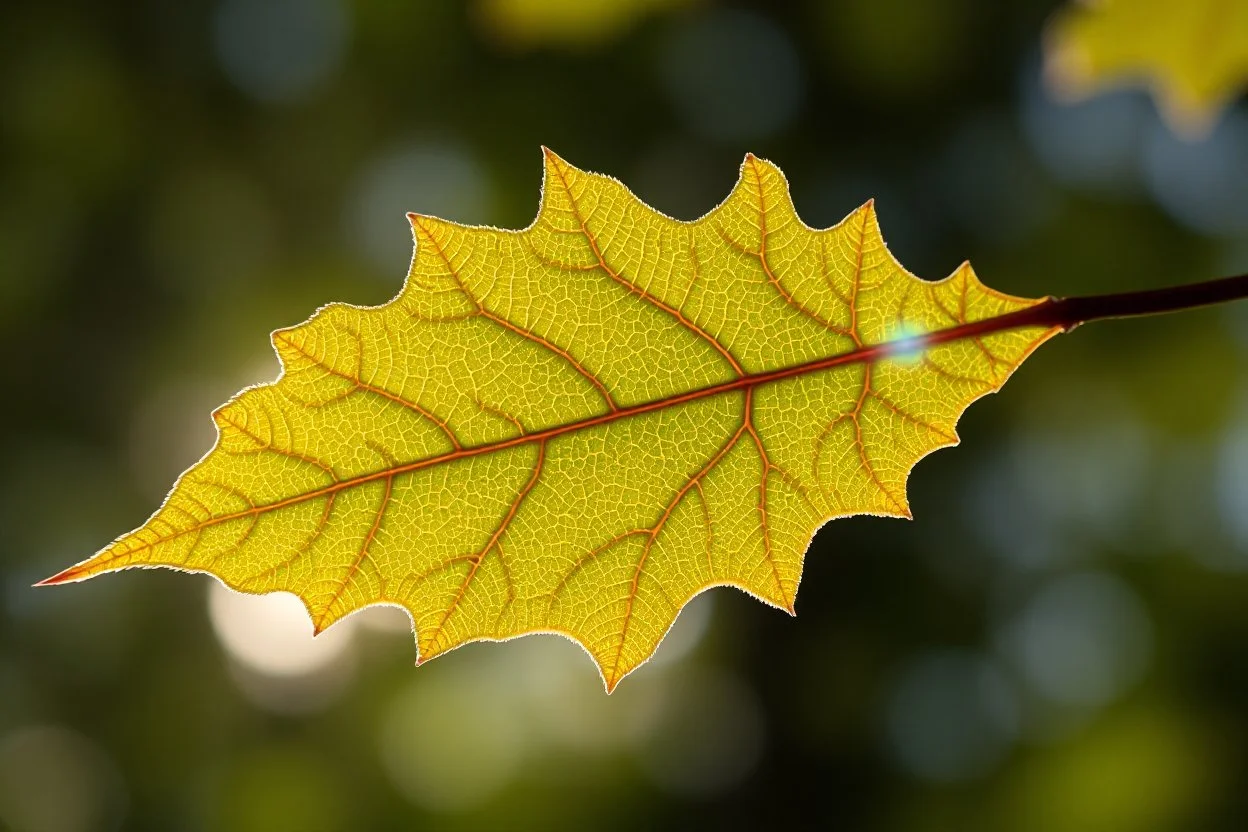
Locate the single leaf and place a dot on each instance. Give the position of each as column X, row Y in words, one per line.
column 1192, row 53
column 577, row 427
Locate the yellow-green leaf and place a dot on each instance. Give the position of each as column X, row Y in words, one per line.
column 577, row 427
column 1192, row 53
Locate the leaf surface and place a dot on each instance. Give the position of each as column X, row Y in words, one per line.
column 577, row 427
column 1192, row 53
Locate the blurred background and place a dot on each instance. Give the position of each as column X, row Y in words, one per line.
column 1059, row 641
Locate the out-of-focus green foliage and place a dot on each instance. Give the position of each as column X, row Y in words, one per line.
column 1057, row 642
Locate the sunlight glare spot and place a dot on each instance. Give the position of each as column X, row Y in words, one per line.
column 272, row 634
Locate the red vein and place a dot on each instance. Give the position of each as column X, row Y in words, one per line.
column 508, row 325
column 763, row 517
column 269, row 446
column 790, row 300
column 362, row 556
column 1038, row 316
column 363, row 387
column 654, row 531
column 709, row 525
column 906, row 415
column 300, row 550
column 860, row 442
column 637, row 290
column 493, row 542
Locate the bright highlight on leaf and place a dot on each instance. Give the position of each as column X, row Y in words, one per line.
column 1192, row 53
column 577, row 427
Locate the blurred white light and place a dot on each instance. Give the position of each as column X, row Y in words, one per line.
column 1202, row 184
column 278, row 664
column 732, row 75
column 952, row 717
column 384, row 618
column 1082, row 640
column 280, row 50
column 440, row 180
column 563, row 698
column 453, row 737
column 687, row 631
column 709, row 735
column 272, row 634
column 1094, row 144
column 53, row 779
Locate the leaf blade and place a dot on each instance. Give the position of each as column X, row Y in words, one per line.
column 577, row 427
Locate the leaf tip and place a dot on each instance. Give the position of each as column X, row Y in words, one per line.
column 65, row 576
column 551, row 158
column 419, row 222
column 422, row 225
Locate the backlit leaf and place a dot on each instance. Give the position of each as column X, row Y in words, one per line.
column 1192, row 53
column 577, row 427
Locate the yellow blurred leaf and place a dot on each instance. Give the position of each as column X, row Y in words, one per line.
column 1193, row 54
column 577, row 427
column 574, row 23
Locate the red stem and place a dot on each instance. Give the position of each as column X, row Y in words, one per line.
column 1068, row 313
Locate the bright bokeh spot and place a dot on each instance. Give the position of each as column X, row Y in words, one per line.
column 272, row 634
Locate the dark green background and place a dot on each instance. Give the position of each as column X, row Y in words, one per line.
column 1059, row 641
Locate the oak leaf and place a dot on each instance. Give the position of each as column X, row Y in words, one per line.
column 1192, row 53
column 577, row 427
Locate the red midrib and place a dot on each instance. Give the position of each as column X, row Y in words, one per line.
column 1034, row 316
